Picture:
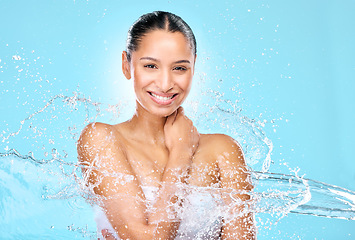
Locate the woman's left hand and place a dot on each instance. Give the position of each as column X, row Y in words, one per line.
column 181, row 136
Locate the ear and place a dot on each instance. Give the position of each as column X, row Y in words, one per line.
column 126, row 66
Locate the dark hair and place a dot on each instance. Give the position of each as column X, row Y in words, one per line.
column 157, row 20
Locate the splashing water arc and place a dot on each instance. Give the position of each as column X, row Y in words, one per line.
column 54, row 182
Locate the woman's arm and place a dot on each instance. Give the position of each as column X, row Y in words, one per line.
column 108, row 171
column 234, row 177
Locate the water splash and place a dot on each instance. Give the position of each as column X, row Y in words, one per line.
column 32, row 191
column 53, row 184
column 52, row 188
column 291, row 193
column 71, row 101
column 224, row 116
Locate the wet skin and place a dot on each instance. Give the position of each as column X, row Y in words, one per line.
column 159, row 147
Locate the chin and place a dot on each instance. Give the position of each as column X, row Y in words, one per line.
column 162, row 111
column 165, row 113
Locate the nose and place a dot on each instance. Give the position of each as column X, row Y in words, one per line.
column 165, row 82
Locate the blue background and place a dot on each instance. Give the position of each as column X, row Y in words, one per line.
column 290, row 63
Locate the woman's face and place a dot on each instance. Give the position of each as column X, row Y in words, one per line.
column 162, row 69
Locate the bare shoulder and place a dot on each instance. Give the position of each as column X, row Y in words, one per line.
column 95, row 130
column 221, row 146
column 101, row 156
column 95, row 138
column 229, row 157
column 97, row 133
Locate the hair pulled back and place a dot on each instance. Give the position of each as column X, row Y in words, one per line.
column 157, row 20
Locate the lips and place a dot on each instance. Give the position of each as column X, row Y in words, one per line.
column 162, row 98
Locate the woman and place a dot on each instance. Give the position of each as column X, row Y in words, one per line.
column 140, row 168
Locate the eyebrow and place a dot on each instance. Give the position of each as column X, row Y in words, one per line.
column 156, row 60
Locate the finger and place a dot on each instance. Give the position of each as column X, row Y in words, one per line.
column 171, row 119
column 107, row 235
column 180, row 110
column 180, row 113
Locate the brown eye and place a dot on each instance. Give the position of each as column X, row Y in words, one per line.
column 150, row 66
column 180, row 68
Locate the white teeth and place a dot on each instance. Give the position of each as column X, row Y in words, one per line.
column 161, row 97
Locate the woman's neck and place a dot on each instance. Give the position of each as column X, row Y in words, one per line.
column 148, row 127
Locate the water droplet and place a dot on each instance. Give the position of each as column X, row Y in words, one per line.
column 16, row 57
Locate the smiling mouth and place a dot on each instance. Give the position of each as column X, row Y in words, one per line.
column 163, row 99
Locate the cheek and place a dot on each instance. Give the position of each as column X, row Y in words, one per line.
column 185, row 82
column 140, row 80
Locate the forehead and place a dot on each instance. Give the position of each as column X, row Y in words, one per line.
column 161, row 42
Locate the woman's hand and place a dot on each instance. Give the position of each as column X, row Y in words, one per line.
column 107, row 235
column 181, row 136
